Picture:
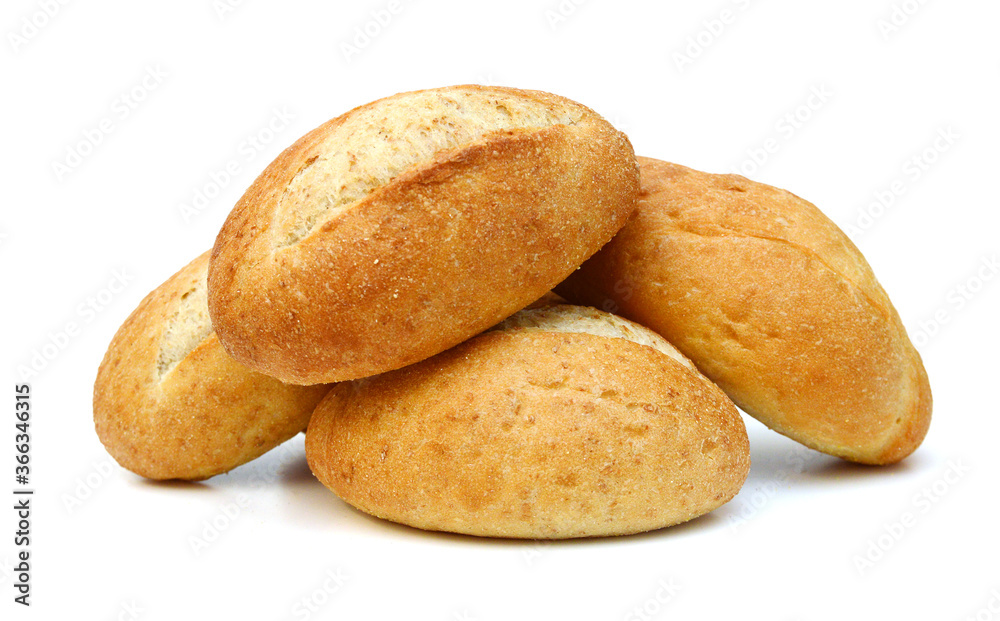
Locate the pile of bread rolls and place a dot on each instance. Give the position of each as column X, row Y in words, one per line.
column 386, row 285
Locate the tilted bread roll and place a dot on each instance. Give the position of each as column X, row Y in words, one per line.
column 169, row 403
column 562, row 422
column 774, row 303
column 409, row 224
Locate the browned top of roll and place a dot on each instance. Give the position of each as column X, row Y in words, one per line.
column 410, row 224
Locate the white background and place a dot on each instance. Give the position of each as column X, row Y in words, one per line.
column 107, row 544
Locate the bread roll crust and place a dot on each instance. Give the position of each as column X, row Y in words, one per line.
column 193, row 413
column 772, row 302
column 445, row 249
column 531, row 433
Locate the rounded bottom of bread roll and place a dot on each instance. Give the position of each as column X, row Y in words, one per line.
column 535, row 430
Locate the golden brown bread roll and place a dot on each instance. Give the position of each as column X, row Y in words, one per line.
column 562, row 422
column 169, row 403
column 773, row 303
column 407, row 225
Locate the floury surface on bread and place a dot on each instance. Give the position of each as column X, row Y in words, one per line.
column 169, row 403
column 561, row 422
column 410, row 224
column 773, row 303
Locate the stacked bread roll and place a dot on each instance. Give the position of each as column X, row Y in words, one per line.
column 386, row 279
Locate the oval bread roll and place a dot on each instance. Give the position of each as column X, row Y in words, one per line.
column 169, row 403
column 562, row 422
column 408, row 225
column 774, row 303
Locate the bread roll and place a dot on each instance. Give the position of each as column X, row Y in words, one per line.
column 562, row 422
column 407, row 225
column 773, row 303
column 169, row 403
column 549, row 299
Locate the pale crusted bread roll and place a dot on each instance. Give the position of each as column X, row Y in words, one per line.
column 774, row 303
column 549, row 299
column 169, row 403
column 561, row 422
column 406, row 226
